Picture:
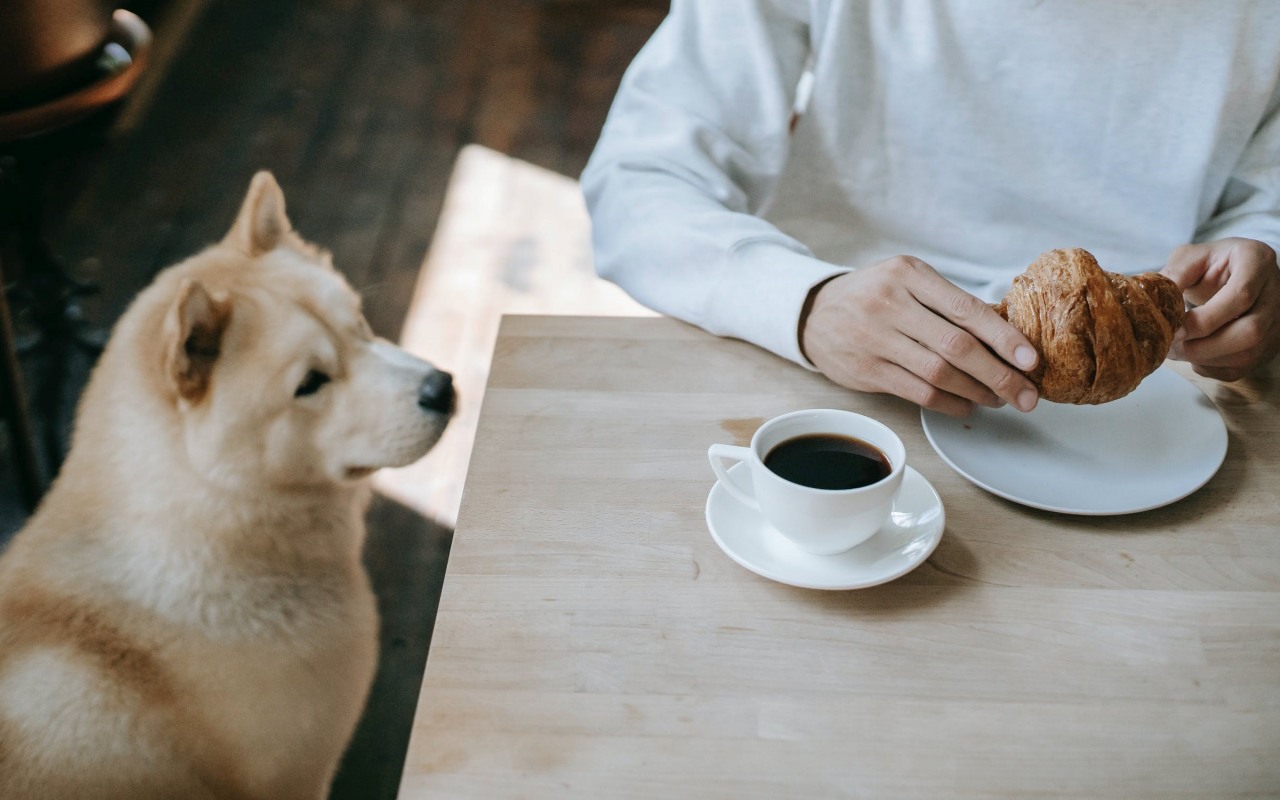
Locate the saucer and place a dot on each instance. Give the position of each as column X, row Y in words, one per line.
column 902, row 544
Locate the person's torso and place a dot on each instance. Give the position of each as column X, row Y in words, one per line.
column 978, row 133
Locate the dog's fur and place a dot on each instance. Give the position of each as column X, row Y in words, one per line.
column 186, row 615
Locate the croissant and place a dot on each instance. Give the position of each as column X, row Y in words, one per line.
column 1098, row 333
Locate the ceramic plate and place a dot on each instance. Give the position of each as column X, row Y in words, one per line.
column 902, row 544
column 1154, row 446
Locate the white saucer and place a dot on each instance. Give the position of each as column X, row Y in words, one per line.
column 905, row 541
column 1145, row 450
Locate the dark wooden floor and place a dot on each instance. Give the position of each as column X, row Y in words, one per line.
column 359, row 107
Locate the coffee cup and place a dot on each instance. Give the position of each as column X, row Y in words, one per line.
column 825, row 479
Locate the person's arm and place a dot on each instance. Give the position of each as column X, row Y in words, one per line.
column 693, row 146
column 1230, row 272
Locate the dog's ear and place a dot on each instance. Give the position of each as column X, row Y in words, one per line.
column 193, row 331
column 261, row 226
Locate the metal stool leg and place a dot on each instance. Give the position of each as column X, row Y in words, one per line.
column 13, row 405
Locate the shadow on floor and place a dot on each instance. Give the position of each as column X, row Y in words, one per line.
column 406, row 557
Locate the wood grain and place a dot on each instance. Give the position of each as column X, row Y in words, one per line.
column 593, row 641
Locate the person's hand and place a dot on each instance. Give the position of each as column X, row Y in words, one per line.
column 1235, row 327
column 899, row 327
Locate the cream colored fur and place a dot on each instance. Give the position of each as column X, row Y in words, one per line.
column 186, row 614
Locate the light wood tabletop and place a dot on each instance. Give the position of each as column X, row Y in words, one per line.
column 593, row 640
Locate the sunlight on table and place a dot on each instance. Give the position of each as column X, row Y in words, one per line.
column 512, row 238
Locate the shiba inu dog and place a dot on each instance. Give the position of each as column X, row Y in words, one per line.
column 186, row 614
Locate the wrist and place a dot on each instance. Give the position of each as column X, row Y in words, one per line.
column 807, row 308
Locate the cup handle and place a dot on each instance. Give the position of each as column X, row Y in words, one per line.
column 717, row 454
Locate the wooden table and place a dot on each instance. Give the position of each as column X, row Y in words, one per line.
column 593, row 641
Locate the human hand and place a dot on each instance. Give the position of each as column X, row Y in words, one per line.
column 1235, row 327
column 899, row 327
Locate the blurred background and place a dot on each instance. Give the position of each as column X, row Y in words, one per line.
column 432, row 145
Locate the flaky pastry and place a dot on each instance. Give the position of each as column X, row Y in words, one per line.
column 1098, row 333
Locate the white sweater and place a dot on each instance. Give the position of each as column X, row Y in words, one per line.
column 973, row 134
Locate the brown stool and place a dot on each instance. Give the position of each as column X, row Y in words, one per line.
column 39, row 280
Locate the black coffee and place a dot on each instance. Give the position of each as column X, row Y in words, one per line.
column 828, row 461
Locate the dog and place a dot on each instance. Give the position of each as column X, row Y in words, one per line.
column 186, row 614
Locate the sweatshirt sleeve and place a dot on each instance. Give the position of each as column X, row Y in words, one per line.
column 1250, row 203
column 691, row 151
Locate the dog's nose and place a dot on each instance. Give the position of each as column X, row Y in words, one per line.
column 436, row 392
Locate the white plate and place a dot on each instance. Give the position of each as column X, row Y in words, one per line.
column 1145, row 450
column 902, row 544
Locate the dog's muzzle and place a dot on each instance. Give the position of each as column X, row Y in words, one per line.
column 436, row 392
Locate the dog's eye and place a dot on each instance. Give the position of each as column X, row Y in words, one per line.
column 311, row 384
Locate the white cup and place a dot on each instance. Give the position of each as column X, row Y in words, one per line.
column 820, row 521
